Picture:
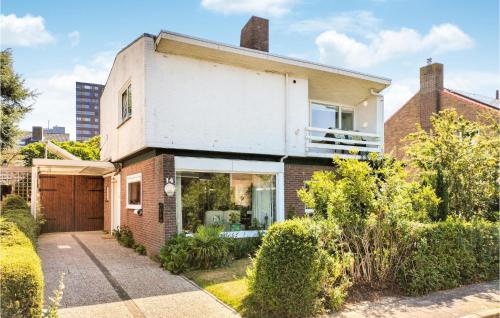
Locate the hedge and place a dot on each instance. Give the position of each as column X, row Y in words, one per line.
column 449, row 254
column 21, row 282
column 24, row 221
column 14, row 201
column 293, row 275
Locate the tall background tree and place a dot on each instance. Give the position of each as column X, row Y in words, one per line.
column 459, row 159
column 16, row 100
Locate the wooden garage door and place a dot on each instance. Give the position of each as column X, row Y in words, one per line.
column 71, row 203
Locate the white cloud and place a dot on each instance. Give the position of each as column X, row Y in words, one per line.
column 24, row 31
column 397, row 95
column 57, row 99
column 361, row 22
column 74, row 38
column 335, row 47
column 264, row 7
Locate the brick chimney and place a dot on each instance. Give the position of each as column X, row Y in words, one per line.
column 255, row 34
column 431, row 85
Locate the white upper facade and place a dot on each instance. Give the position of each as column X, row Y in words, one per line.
column 192, row 94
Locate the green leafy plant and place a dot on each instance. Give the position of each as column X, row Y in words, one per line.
column 140, row 249
column 124, row 236
column 459, row 160
column 293, row 275
column 449, row 254
column 55, row 300
column 174, row 255
column 14, row 201
column 208, row 249
column 21, row 282
column 24, row 222
column 373, row 204
column 244, row 247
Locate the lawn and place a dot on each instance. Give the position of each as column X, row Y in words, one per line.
column 227, row 284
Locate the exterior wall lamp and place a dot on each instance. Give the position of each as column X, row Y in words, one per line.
column 169, row 187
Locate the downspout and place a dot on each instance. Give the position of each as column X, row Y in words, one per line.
column 379, row 131
column 286, row 119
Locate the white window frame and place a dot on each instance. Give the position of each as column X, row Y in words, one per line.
column 125, row 89
column 340, row 106
column 192, row 164
column 130, row 179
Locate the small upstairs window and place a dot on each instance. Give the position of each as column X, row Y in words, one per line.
column 127, row 103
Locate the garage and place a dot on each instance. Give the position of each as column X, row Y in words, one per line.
column 71, row 203
column 70, row 194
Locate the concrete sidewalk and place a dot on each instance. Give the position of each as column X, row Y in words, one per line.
column 104, row 279
column 458, row 302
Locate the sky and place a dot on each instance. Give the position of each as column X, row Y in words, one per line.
column 56, row 42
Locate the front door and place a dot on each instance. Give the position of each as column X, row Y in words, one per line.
column 115, row 202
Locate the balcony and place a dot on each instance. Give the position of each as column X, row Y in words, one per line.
column 327, row 143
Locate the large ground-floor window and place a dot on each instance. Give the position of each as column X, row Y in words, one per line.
column 235, row 201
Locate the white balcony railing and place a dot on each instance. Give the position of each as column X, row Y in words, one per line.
column 321, row 142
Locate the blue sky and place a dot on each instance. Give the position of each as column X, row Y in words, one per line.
column 58, row 42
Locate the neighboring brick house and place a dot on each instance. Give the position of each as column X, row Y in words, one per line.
column 432, row 98
column 207, row 133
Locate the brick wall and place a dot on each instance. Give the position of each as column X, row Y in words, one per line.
column 255, row 34
column 471, row 110
column 400, row 125
column 295, row 176
column 430, row 99
column 147, row 229
column 107, row 204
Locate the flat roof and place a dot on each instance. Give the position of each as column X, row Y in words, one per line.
column 256, row 54
column 73, row 167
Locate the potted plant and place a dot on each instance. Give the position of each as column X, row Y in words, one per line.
column 234, row 219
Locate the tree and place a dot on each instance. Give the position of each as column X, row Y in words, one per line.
column 15, row 100
column 459, row 159
column 87, row 150
column 374, row 205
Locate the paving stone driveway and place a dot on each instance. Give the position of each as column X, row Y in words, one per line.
column 103, row 279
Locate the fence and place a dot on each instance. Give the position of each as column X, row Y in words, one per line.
column 15, row 180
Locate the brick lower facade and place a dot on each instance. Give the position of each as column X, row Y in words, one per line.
column 295, row 176
column 146, row 228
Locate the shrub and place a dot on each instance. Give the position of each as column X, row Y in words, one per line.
column 140, row 249
column 244, row 247
column 14, row 201
column 205, row 249
column 290, row 273
column 124, row 236
column 450, row 253
column 21, row 282
column 24, row 221
column 174, row 255
column 208, row 249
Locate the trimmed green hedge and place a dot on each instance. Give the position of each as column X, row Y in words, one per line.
column 449, row 254
column 293, row 275
column 21, row 281
column 24, row 221
column 14, row 201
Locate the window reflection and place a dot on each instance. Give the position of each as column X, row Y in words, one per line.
column 234, row 201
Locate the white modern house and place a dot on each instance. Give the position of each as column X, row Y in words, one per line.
column 202, row 132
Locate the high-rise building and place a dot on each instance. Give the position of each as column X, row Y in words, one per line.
column 88, row 97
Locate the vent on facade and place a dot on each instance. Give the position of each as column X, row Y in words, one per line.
column 255, row 34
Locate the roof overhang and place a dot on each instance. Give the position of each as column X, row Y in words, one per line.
column 325, row 82
column 73, row 167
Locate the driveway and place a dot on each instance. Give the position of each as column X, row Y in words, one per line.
column 104, row 279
